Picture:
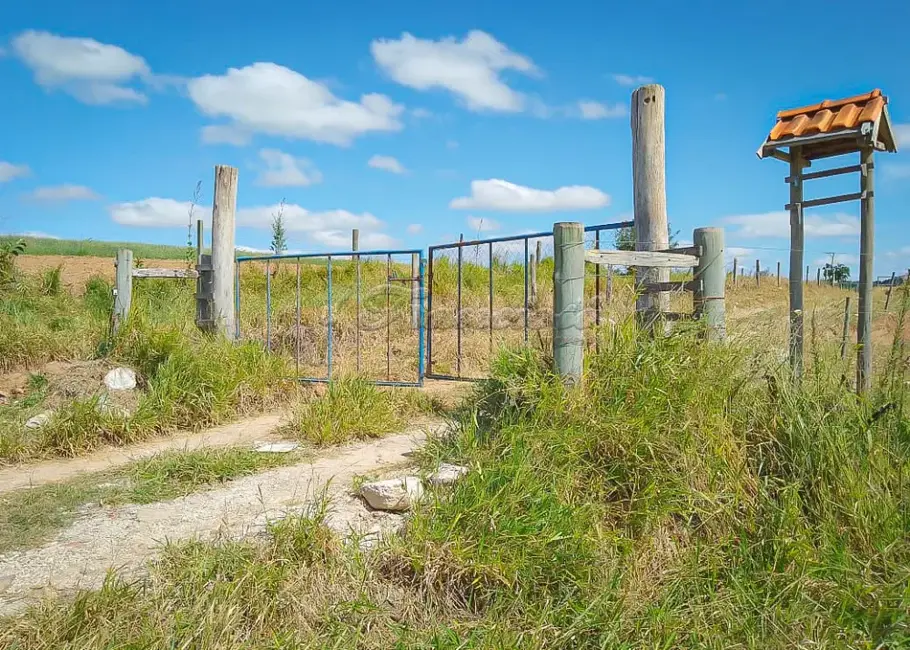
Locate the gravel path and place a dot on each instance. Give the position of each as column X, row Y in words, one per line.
column 35, row 474
column 126, row 537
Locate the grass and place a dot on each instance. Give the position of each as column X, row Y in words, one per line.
column 355, row 409
column 677, row 499
column 96, row 248
column 29, row 517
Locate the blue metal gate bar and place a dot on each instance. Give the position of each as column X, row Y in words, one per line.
column 459, row 246
column 329, row 257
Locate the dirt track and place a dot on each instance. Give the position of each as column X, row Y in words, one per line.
column 77, row 269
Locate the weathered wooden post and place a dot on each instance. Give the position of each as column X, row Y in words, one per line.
column 890, row 290
column 757, row 273
column 818, row 277
column 710, row 282
column 223, row 253
column 123, row 288
column 866, row 251
column 778, row 274
column 533, row 265
column 796, row 261
column 735, row 265
column 846, row 331
column 568, row 301
column 650, row 194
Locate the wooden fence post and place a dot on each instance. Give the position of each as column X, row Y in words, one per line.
column 866, row 252
column 757, row 273
column 223, row 254
column 846, row 332
column 818, row 277
column 735, row 265
column 778, row 274
column 123, row 289
column 890, row 289
column 568, row 301
column 539, row 252
column 533, row 264
column 797, row 236
column 710, row 282
column 355, row 246
column 650, row 196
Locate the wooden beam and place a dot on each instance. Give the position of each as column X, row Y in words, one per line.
column 652, row 259
column 829, row 172
column 165, row 273
column 840, row 198
column 685, row 250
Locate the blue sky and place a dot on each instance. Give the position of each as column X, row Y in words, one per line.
column 418, row 121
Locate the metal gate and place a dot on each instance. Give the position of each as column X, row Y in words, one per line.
column 490, row 292
column 336, row 314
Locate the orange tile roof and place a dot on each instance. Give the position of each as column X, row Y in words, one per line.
column 829, row 116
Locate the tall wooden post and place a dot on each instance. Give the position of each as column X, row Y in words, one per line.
column 123, row 289
column 711, row 280
column 890, row 290
column 778, row 274
column 866, row 250
column 568, row 300
column 223, row 255
column 735, row 265
column 796, row 262
column 538, row 252
column 818, row 277
column 757, row 273
column 534, row 261
column 650, row 194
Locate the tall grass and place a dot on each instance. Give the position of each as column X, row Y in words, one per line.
column 96, row 248
column 677, row 499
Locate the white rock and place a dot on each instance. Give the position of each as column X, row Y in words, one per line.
column 277, row 447
column 447, row 474
column 39, row 420
column 395, row 494
column 120, row 379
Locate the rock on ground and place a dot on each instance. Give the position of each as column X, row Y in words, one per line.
column 39, row 420
column 395, row 494
column 120, row 379
column 447, row 474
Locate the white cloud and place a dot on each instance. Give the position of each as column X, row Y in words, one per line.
column 632, row 79
column 284, row 170
column 330, row 228
column 341, row 239
column 902, row 134
column 777, row 224
column 34, row 234
column 65, row 192
column 155, row 212
column 415, row 228
column 591, row 110
column 738, row 252
column 271, row 99
column 479, row 224
column 9, row 171
column 387, row 163
column 495, row 194
column 470, row 69
column 92, row 72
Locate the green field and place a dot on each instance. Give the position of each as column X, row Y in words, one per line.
column 96, row 248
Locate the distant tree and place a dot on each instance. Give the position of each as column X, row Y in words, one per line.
column 836, row 273
column 279, row 238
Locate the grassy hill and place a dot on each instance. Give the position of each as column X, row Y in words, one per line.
column 96, row 248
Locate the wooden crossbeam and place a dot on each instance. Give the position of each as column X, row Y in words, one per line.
column 165, row 273
column 652, row 259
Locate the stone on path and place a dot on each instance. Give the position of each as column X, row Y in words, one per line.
column 39, row 420
column 396, row 494
column 447, row 474
column 120, row 379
